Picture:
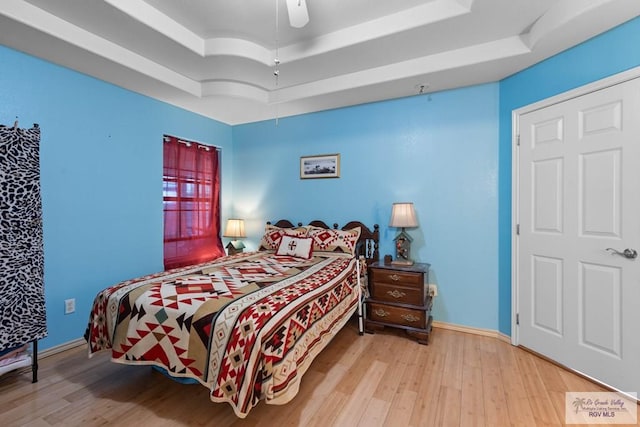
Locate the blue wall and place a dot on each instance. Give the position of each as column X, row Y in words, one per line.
column 609, row 53
column 101, row 178
column 440, row 152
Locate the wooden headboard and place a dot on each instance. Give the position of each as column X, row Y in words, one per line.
column 368, row 243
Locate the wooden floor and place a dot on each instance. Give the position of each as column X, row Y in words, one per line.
column 384, row 379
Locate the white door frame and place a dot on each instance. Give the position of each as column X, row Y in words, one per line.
column 515, row 164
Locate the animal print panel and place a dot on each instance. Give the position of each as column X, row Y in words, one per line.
column 22, row 307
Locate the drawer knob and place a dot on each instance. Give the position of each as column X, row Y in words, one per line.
column 381, row 313
column 394, row 277
column 396, row 294
column 410, row 318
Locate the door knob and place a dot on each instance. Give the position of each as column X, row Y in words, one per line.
column 627, row 253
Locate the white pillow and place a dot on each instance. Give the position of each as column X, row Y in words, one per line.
column 299, row 247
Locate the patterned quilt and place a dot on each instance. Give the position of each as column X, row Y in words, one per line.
column 247, row 326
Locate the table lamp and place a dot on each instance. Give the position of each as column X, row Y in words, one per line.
column 403, row 216
column 234, row 230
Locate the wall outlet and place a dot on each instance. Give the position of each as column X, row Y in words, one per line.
column 69, row 306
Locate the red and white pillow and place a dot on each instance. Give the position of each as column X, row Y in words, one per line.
column 272, row 236
column 336, row 241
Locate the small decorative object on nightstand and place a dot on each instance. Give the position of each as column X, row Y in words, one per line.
column 403, row 216
column 399, row 299
column 235, row 230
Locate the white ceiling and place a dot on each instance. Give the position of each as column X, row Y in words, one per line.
column 216, row 57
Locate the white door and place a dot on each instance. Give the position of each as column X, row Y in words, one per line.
column 578, row 201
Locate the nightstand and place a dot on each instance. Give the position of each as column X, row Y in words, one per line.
column 399, row 298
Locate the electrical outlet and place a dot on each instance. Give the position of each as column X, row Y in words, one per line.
column 69, row 306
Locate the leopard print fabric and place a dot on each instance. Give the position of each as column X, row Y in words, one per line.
column 22, row 307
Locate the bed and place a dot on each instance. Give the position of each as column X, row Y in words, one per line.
column 245, row 326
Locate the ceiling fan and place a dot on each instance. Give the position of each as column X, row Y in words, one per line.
column 298, row 13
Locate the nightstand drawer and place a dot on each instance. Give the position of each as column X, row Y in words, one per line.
column 397, row 315
column 391, row 277
column 396, row 293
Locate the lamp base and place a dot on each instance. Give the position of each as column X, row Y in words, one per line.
column 235, row 247
column 402, row 262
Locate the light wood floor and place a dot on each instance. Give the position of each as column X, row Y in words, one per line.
column 384, row 379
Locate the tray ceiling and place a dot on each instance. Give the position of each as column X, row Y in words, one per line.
column 217, row 58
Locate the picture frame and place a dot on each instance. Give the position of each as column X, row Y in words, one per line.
column 320, row 166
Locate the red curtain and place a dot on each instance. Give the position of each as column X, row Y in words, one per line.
column 191, row 194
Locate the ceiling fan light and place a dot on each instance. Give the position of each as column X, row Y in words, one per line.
column 298, row 13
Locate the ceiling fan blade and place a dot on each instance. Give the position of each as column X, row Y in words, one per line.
column 298, row 13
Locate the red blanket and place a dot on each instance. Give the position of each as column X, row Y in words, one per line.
column 246, row 326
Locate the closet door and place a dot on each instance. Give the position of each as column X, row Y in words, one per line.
column 578, row 271
column 22, row 308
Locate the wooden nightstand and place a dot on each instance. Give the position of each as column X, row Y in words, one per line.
column 399, row 298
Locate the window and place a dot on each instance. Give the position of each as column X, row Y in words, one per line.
column 191, row 199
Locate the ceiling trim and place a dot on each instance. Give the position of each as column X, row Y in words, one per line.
column 161, row 23
column 50, row 24
column 419, row 16
column 559, row 15
column 481, row 53
column 235, row 90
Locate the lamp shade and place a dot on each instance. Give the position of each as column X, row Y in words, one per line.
column 234, row 229
column 403, row 215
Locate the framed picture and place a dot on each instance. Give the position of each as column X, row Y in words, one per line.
column 321, row 166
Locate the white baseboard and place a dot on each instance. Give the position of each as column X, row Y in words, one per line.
column 471, row 330
column 504, row 337
column 61, row 347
